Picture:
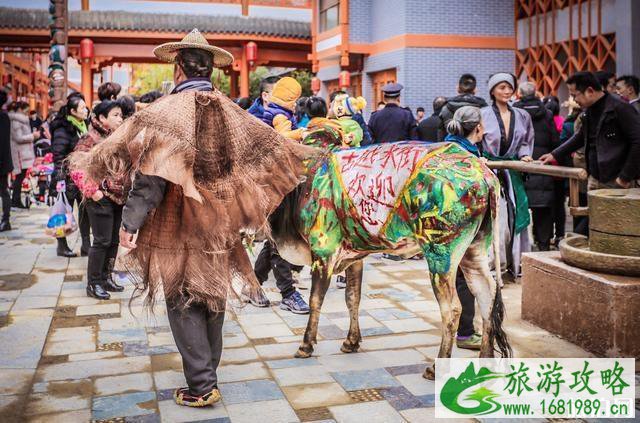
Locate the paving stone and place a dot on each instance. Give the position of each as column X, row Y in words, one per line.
column 239, row 355
column 87, row 310
column 405, row 369
column 267, row 331
column 271, row 351
column 292, row 362
column 427, row 415
column 15, row 381
column 239, row 372
column 160, row 338
column 121, row 335
column 400, row 398
column 346, row 362
column 363, row 379
column 72, row 340
column 269, row 411
column 235, row 340
column 401, row 341
column 331, row 332
column 169, row 379
column 302, row 376
column 123, row 405
column 316, row 395
column 46, row 403
column 171, row 412
column 249, row 391
column 26, row 333
column 416, row 384
column 89, row 368
column 389, row 358
column 365, row 322
column 258, row 319
column 68, row 416
column 408, row 325
column 25, row 302
column 145, row 418
column 125, row 383
column 370, row 412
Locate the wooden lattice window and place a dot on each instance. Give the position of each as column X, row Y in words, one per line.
column 548, row 61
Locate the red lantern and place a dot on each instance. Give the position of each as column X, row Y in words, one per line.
column 315, row 85
column 86, row 49
column 251, row 50
column 344, row 80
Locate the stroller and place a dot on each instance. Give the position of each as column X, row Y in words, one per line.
column 42, row 170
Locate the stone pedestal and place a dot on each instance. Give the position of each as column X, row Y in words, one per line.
column 599, row 312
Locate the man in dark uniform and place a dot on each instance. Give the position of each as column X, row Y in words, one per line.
column 393, row 123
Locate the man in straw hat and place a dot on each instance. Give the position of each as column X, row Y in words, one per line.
column 203, row 170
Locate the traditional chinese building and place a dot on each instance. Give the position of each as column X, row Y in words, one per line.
column 427, row 44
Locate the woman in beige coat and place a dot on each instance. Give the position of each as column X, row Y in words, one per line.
column 22, row 151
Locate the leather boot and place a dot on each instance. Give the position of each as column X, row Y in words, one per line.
column 109, row 284
column 95, row 290
column 64, row 250
column 5, row 225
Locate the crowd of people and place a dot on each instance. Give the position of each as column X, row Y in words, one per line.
column 601, row 132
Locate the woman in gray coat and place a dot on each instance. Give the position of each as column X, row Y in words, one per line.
column 22, row 152
column 509, row 136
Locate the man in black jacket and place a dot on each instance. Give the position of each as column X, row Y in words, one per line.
column 610, row 133
column 428, row 128
column 540, row 188
column 466, row 97
column 6, row 164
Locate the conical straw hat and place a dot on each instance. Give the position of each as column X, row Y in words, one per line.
column 167, row 52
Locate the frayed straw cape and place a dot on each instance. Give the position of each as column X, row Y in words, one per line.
column 226, row 171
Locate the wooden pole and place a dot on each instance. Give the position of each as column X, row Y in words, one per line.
column 538, row 168
column 244, row 73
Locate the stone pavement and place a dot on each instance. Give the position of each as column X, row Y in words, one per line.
column 65, row 357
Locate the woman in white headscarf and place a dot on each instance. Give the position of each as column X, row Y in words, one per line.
column 508, row 135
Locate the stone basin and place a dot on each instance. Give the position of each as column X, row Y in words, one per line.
column 575, row 251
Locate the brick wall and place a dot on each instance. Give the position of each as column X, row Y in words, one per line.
column 360, row 21
column 472, row 17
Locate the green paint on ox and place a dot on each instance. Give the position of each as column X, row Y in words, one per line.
column 440, row 206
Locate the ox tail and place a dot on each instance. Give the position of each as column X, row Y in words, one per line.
column 497, row 335
column 494, row 203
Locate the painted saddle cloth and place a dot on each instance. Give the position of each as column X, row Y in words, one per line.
column 374, row 197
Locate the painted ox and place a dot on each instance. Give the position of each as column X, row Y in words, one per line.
column 402, row 198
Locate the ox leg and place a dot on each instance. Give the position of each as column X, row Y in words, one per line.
column 352, row 297
column 319, row 285
column 475, row 266
column 444, row 288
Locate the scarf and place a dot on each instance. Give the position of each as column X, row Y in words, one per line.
column 464, row 143
column 80, row 125
column 199, row 83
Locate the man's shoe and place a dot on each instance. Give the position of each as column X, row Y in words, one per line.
column 472, row 342
column 341, row 282
column 5, row 226
column 66, row 252
column 295, row 304
column 111, row 285
column 18, row 205
column 182, row 396
column 258, row 299
column 97, row 291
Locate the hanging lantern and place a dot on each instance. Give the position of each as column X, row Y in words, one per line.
column 86, row 49
column 251, row 50
column 344, row 80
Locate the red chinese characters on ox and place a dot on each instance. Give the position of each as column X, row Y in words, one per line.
column 373, row 178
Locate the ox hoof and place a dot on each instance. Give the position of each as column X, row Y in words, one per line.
column 430, row 373
column 347, row 347
column 303, row 352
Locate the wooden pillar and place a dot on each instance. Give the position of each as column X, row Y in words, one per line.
column 233, row 84
column 87, row 81
column 244, row 73
column 85, row 5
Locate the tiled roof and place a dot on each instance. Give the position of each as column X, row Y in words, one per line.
column 129, row 21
